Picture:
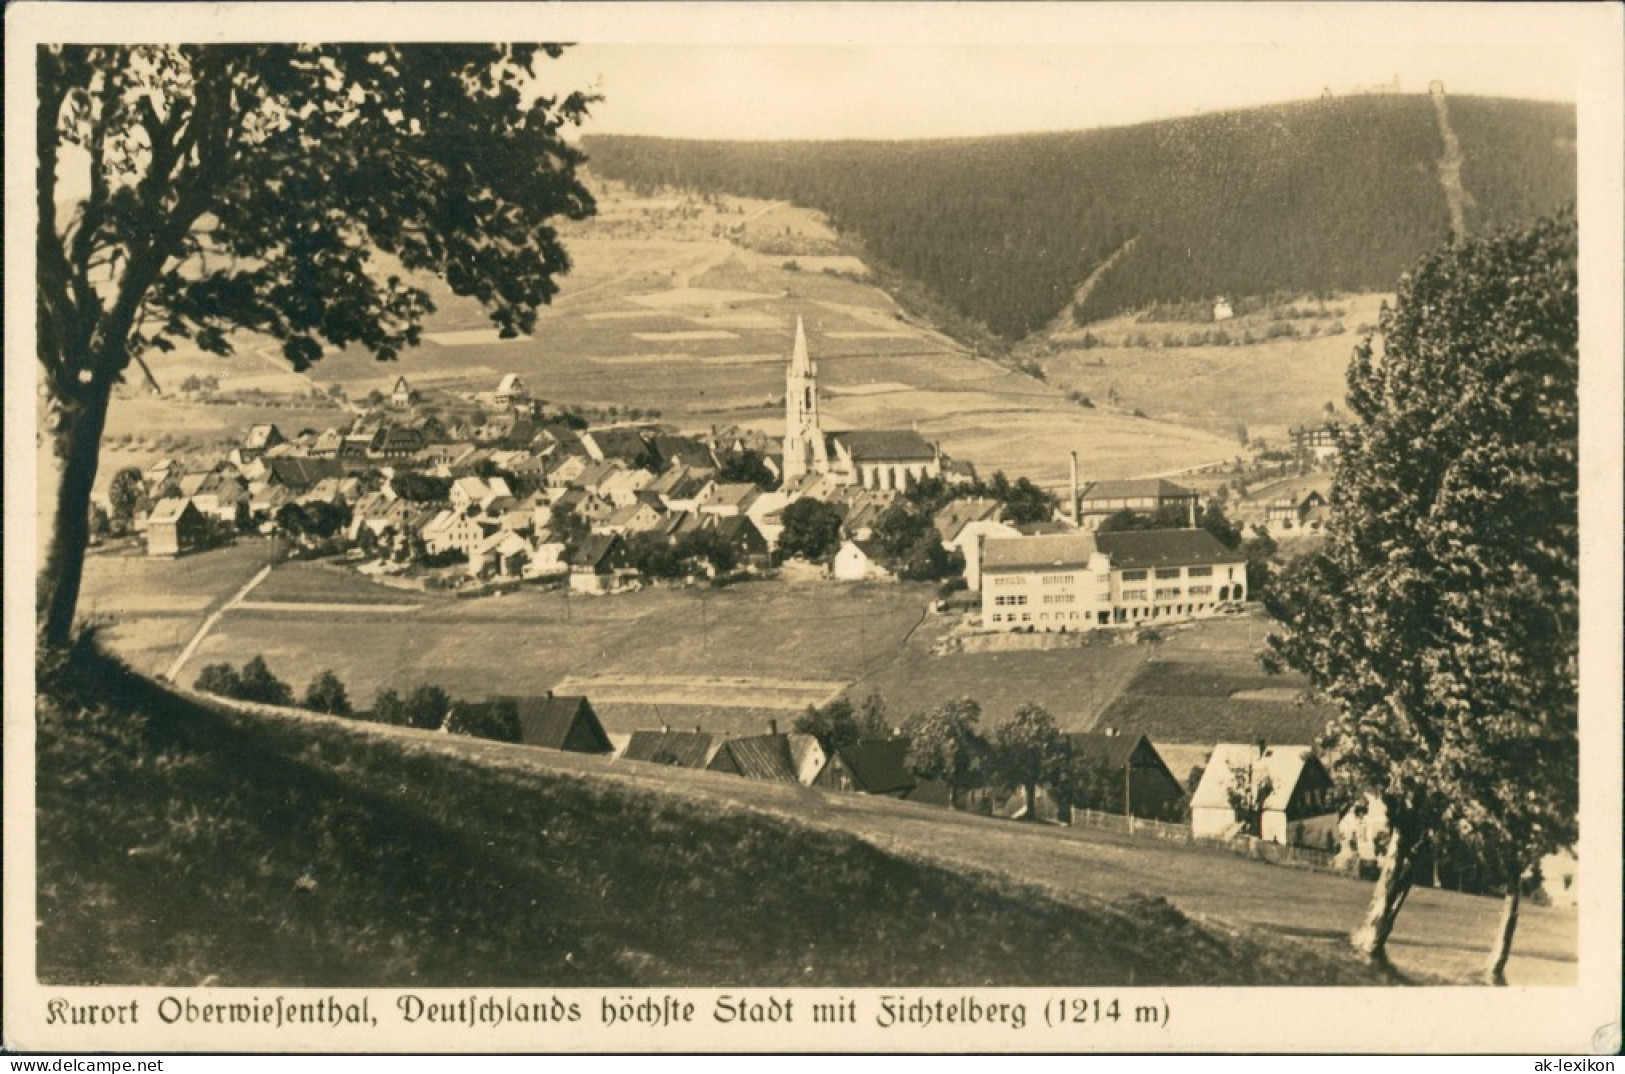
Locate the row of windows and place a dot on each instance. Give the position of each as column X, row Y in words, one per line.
column 1014, row 599
column 1165, row 573
column 1026, row 617
column 1200, row 590
column 1059, row 598
column 1008, row 580
column 1060, row 579
column 1167, row 594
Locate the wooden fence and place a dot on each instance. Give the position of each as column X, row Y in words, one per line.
column 1245, row 845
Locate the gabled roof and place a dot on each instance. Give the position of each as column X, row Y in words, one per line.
column 878, row 767
column 885, row 445
column 170, row 510
column 733, row 494
column 510, row 383
column 1283, row 766
column 1037, row 553
column 1042, row 527
column 262, row 436
column 1164, row 548
column 594, row 550
column 1134, row 488
column 764, row 757
column 549, row 722
column 301, row 473
column 1114, row 750
column 685, row 749
column 960, row 513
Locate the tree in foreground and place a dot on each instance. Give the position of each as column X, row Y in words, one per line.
column 327, row 694
column 1028, row 749
column 944, row 744
column 1442, row 615
column 287, row 190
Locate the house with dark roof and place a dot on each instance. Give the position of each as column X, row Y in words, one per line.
column 683, row 749
column 554, row 722
column 300, row 474
column 1135, row 770
column 596, row 563
column 260, row 439
column 1142, row 496
column 1079, row 581
column 396, row 442
column 772, row 758
column 873, row 767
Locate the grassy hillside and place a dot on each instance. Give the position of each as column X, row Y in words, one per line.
column 179, row 844
column 1336, row 194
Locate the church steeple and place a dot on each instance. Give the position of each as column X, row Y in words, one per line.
column 804, row 448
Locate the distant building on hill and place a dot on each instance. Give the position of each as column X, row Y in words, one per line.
column 1317, row 442
column 401, row 396
column 511, row 391
column 1081, row 581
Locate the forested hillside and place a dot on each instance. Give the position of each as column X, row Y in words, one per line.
column 1336, row 194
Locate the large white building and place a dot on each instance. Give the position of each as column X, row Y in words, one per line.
column 886, row 459
column 1080, row 581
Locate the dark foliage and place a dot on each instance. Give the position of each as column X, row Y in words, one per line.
column 1326, row 195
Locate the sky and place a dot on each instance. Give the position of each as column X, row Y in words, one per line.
column 846, row 77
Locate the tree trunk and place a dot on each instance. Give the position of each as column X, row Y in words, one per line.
column 1031, row 791
column 1501, row 950
column 76, row 444
column 1393, row 884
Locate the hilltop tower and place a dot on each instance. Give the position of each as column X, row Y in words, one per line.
column 804, row 448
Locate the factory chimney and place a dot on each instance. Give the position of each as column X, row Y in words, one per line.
column 1073, row 512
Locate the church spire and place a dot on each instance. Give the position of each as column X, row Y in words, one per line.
column 800, row 363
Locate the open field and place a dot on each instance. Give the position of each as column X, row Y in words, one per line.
column 352, row 856
column 685, row 640
column 727, row 659
column 153, row 606
column 1267, row 386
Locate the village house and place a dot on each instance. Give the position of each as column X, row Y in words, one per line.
column 772, row 758
column 682, row 488
column 476, row 492
column 511, row 391
column 400, row 396
column 1316, row 443
column 621, row 487
column 175, row 526
column 630, row 519
column 1297, row 516
column 1286, row 786
column 1080, row 581
column 1152, row 790
column 1143, row 496
column 874, row 767
column 683, row 749
column 731, row 498
column 260, row 439
column 597, row 564
column 857, row 561
column 626, row 446
column 452, row 530
column 963, row 526
column 395, row 442
column 551, row 722
column 502, row 554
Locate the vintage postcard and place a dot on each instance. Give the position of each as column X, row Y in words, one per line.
column 813, row 527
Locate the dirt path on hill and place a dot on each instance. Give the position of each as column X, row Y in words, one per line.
column 1455, row 195
column 237, row 598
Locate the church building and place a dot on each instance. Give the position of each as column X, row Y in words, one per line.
column 886, row 459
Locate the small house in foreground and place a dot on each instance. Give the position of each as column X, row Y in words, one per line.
column 773, row 757
column 874, row 767
column 1286, row 786
column 1135, row 767
column 174, row 527
column 684, row 749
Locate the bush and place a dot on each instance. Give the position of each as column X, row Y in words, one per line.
column 496, row 720
column 327, row 694
column 218, row 679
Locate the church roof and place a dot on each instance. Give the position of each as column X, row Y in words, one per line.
column 885, row 445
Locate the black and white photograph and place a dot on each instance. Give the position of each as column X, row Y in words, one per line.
column 813, row 527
